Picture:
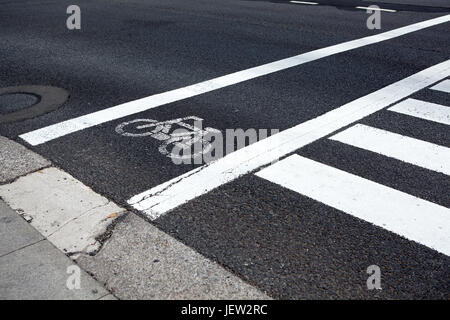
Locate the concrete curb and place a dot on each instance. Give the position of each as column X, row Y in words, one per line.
column 138, row 261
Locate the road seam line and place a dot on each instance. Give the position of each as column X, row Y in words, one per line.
column 23, row 247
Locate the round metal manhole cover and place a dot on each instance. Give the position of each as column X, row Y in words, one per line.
column 27, row 102
column 12, row 102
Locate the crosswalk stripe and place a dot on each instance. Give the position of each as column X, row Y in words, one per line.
column 443, row 86
column 424, row 110
column 413, row 218
column 407, row 149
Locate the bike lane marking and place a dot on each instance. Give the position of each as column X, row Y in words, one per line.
column 173, row 193
column 185, row 136
column 60, row 129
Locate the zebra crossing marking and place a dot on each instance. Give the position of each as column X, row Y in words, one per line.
column 423, row 110
column 411, row 217
column 408, row 216
column 443, row 86
column 417, row 152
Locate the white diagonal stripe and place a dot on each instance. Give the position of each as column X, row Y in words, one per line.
column 57, row 130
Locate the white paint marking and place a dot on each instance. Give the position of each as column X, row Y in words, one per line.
column 177, row 191
column 420, row 153
column 376, row 9
column 443, row 86
column 415, row 219
column 424, row 110
column 73, row 125
column 184, row 137
column 304, row 2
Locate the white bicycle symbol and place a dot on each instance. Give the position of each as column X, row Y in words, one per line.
column 182, row 138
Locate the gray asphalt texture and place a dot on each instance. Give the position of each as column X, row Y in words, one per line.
column 277, row 240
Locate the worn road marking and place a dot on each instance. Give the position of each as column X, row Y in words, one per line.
column 420, row 153
column 175, row 192
column 423, row 110
column 443, row 86
column 376, row 9
column 57, row 130
column 415, row 219
column 303, row 2
column 176, row 133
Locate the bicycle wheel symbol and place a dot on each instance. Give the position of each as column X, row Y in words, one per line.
column 140, row 128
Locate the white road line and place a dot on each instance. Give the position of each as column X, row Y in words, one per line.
column 415, row 219
column 57, row 130
column 443, row 86
column 424, row 110
column 410, row 150
column 304, row 2
column 376, row 9
column 195, row 183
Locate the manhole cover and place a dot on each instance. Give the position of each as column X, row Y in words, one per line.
column 11, row 102
column 26, row 102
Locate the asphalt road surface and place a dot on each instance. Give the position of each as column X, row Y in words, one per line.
column 364, row 130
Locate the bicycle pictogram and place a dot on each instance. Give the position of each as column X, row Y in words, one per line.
column 181, row 140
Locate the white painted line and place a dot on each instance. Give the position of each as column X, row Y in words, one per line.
column 73, row 125
column 195, row 183
column 424, row 110
column 415, row 219
column 443, row 86
column 304, row 2
column 376, row 9
column 420, row 153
